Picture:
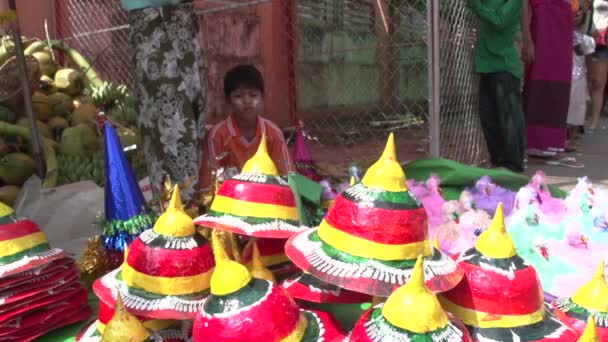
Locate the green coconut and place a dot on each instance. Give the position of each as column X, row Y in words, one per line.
column 9, row 194
column 47, row 65
column 16, row 168
column 62, row 104
column 7, row 115
column 78, row 140
column 4, row 149
column 42, row 106
column 47, row 85
column 69, row 81
column 58, row 123
column 85, row 113
column 43, row 129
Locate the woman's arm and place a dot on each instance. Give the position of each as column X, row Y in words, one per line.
column 528, row 42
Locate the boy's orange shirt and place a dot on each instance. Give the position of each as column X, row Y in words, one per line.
column 225, row 137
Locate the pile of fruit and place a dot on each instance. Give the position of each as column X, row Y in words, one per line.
column 67, row 98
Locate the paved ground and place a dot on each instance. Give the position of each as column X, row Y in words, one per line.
column 593, row 152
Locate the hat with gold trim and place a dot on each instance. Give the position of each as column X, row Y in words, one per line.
column 591, row 300
column 372, row 235
column 411, row 313
column 500, row 297
column 167, row 269
column 23, row 246
column 243, row 308
column 256, row 202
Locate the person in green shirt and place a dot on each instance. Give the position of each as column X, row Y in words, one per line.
column 500, row 67
column 168, row 86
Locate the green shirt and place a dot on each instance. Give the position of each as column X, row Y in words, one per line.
column 499, row 26
column 130, row 5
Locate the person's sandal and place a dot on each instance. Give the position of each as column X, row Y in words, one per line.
column 567, row 162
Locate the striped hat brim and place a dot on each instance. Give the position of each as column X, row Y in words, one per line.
column 34, row 260
column 91, row 333
column 144, row 303
column 549, row 329
column 373, row 327
column 370, row 276
column 576, row 316
column 263, row 228
column 308, row 288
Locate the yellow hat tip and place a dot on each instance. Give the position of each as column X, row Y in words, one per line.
column 498, row 224
column 390, row 151
column 590, row 332
column 600, row 273
column 261, row 161
column 496, row 242
column 258, row 269
column 386, row 173
column 228, row 276
column 262, row 148
column 436, row 243
column 126, row 254
column 176, row 200
column 594, row 294
column 417, row 279
column 124, row 326
column 353, row 181
column 5, row 210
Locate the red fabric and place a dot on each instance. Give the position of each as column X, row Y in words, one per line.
column 163, row 262
column 490, row 292
column 577, row 325
column 258, row 193
column 379, row 225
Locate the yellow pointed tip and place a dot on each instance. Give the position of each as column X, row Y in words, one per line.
column 258, row 269
column 590, row 333
column 386, row 174
column 262, row 148
column 175, row 222
column 176, row 200
column 261, row 161
column 228, row 276
column 600, row 272
column 353, row 181
column 414, row 307
column 594, row 294
column 5, row 210
column 124, row 326
column 496, row 242
column 436, row 243
column 126, row 254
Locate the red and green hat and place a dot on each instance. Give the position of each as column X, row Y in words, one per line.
column 372, row 235
column 243, row 308
column 591, row 300
column 306, row 287
column 23, row 246
column 411, row 313
column 256, row 202
column 500, row 297
column 166, row 271
column 145, row 328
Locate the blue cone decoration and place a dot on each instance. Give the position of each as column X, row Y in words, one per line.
column 126, row 213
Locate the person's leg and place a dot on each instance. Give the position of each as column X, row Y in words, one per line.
column 488, row 118
column 598, row 72
column 509, row 110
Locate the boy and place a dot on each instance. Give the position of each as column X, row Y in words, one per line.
column 500, row 67
column 235, row 140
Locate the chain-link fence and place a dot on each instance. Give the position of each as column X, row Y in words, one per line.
column 351, row 70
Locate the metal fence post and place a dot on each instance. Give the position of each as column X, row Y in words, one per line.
column 434, row 77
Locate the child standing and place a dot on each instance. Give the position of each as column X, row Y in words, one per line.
column 235, row 140
column 499, row 64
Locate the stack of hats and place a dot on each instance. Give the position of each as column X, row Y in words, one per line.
column 411, row 313
column 589, row 301
column 40, row 288
column 166, row 271
column 372, row 235
column 500, row 297
column 243, row 308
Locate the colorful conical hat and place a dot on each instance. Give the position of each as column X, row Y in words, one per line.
column 272, row 254
column 126, row 214
column 372, row 235
column 256, row 202
column 158, row 330
column 23, row 246
column 589, row 300
column 306, row 287
column 167, row 271
column 500, row 297
column 411, row 313
column 243, row 308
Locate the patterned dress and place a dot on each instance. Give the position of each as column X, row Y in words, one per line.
column 166, row 52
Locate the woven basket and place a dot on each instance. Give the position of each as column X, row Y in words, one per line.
column 10, row 83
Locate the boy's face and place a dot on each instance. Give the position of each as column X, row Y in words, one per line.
column 246, row 102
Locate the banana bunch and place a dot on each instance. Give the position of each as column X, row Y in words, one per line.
column 116, row 101
column 75, row 169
